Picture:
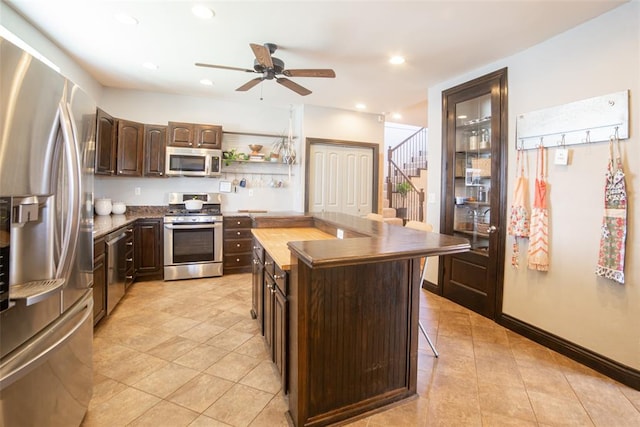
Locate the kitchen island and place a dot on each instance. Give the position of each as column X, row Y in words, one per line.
column 341, row 316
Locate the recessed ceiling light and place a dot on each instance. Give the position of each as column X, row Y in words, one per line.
column 206, row 82
column 202, row 12
column 360, row 106
column 396, row 60
column 126, row 19
column 396, row 115
column 150, row 65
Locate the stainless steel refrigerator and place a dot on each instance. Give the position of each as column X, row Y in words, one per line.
column 47, row 145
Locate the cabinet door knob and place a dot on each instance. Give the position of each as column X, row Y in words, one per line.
column 238, row 233
column 492, row 229
column 237, row 245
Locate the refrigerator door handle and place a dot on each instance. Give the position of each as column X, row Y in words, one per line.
column 72, row 228
column 23, row 360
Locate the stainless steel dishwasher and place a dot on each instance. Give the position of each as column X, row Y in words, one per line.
column 116, row 267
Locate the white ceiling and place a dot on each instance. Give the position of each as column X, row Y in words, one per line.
column 440, row 39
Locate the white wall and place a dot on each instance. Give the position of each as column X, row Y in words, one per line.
column 599, row 57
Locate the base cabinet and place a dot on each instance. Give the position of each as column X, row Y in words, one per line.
column 270, row 306
column 99, row 281
column 237, row 244
column 148, row 249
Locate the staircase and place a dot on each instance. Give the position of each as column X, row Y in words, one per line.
column 407, row 162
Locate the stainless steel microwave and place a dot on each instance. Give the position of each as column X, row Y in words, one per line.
column 181, row 161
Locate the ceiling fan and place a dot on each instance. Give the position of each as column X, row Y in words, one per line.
column 271, row 67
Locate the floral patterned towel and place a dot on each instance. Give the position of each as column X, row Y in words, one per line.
column 518, row 226
column 613, row 232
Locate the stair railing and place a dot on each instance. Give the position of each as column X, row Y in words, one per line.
column 403, row 161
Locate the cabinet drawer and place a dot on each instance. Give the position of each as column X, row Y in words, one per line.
column 237, row 246
column 238, row 260
column 98, row 247
column 269, row 264
column 237, row 222
column 237, row 234
column 280, row 277
column 258, row 251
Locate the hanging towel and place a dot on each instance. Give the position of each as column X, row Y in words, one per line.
column 614, row 222
column 519, row 216
column 538, row 254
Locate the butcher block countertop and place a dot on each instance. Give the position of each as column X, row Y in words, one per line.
column 275, row 241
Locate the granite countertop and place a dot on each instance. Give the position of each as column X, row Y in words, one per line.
column 105, row 224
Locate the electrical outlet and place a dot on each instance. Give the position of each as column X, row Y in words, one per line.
column 250, row 193
column 340, row 234
column 136, row 191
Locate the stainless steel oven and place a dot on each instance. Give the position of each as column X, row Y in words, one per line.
column 193, row 239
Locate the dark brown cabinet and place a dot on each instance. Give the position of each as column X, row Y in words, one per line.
column 155, row 144
column 129, row 256
column 208, row 136
column 148, row 249
column 106, row 143
column 270, row 307
column 237, row 244
column 194, row 135
column 99, row 281
column 130, row 148
column 474, row 192
column 257, row 280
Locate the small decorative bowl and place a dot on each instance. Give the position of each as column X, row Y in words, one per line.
column 255, row 148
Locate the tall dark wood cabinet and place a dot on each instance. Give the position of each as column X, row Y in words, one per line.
column 155, row 146
column 130, row 148
column 106, row 143
column 474, row 165
column 148, row 249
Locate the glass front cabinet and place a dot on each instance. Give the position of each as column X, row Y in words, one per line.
column 473, row 193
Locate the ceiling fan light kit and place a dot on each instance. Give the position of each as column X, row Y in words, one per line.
column 271, row 68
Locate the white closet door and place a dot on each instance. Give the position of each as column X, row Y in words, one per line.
column 341, row 179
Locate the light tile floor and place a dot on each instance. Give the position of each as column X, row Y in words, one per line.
column 187, row 353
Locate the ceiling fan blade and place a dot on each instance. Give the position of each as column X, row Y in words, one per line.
column 310, row 73
column 262, row 54
column 224, row 67
column 248, row 85
column 294, row 86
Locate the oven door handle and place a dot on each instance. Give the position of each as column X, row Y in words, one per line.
column 191, row 226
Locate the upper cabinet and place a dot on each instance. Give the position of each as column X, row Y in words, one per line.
column 107, row 130
column 194, row 135
column 473, row 201
column 155, row 143
column 130, row 148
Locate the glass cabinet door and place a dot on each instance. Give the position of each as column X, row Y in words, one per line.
column 473, row 191
column 472, row 181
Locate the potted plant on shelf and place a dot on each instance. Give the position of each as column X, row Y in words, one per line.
column 402, row 189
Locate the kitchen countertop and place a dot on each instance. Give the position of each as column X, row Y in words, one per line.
column 105, row 224
column 275, row 241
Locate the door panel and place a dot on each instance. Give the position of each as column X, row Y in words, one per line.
column 473, row 189
column 341, row 179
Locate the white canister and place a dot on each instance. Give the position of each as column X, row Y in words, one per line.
column 103, row 206
column 118, row 208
